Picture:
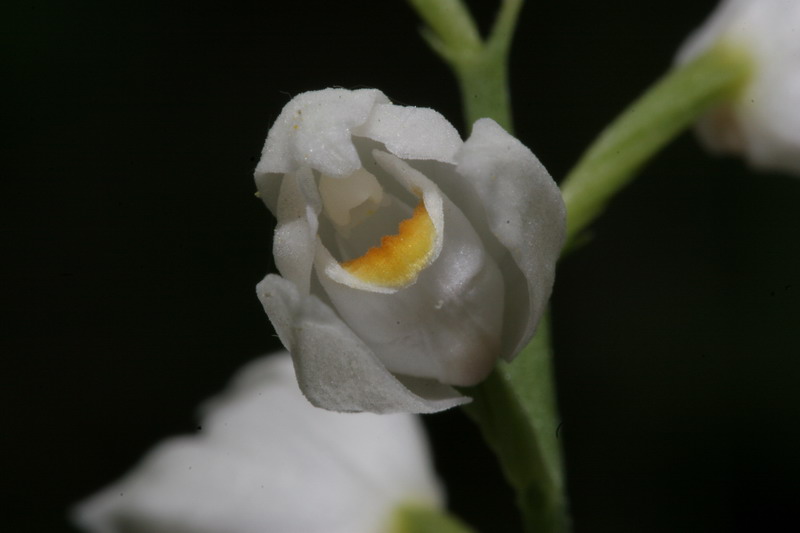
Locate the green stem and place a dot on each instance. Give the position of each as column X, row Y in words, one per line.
column 484, row 90
column 665, row 110
column 516, row 411
column 481, row 66
column 449, row 24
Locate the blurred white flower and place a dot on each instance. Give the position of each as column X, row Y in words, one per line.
column 267, row 461
column 763, row 122
column 410, row 260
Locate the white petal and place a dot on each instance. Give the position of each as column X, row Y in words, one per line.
column 524, row 210
column 296, row 231
column 447, row 324
column 412, row 132
column 264, row 459
column 314, row 130
column 335, row 369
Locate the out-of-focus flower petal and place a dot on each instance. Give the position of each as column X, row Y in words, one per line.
column 266, row 460
column 762, row 123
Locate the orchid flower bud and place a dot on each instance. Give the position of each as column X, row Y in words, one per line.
column 410, row 260
column 266, row 460
column 762, row 122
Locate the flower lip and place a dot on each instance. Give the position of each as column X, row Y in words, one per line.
column 399, row 258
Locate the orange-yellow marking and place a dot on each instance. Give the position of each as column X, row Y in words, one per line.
column 399, row 258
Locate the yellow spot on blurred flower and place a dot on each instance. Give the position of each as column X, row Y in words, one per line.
column 399, row 258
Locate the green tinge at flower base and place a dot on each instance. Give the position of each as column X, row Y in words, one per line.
column 420, row 519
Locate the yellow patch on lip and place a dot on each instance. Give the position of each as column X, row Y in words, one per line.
column 399, row 258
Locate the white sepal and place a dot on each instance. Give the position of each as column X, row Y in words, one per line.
column 412, row 132
column 314, row 130
column 335, row 368
column 526, row 214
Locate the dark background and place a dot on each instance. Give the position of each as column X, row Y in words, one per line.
column 132, row 243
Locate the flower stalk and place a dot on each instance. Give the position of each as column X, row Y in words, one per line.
column 645, row 127
column 480, row 65
column 516, row 411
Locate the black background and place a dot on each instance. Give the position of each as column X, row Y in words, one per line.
column 132, row 242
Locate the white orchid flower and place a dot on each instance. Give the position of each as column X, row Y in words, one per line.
column 410, row 260
column 268, row 461
column 763, row 122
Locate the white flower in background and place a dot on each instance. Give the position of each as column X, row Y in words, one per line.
column 410, row 260
column 268, row 461
column 763, row 122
